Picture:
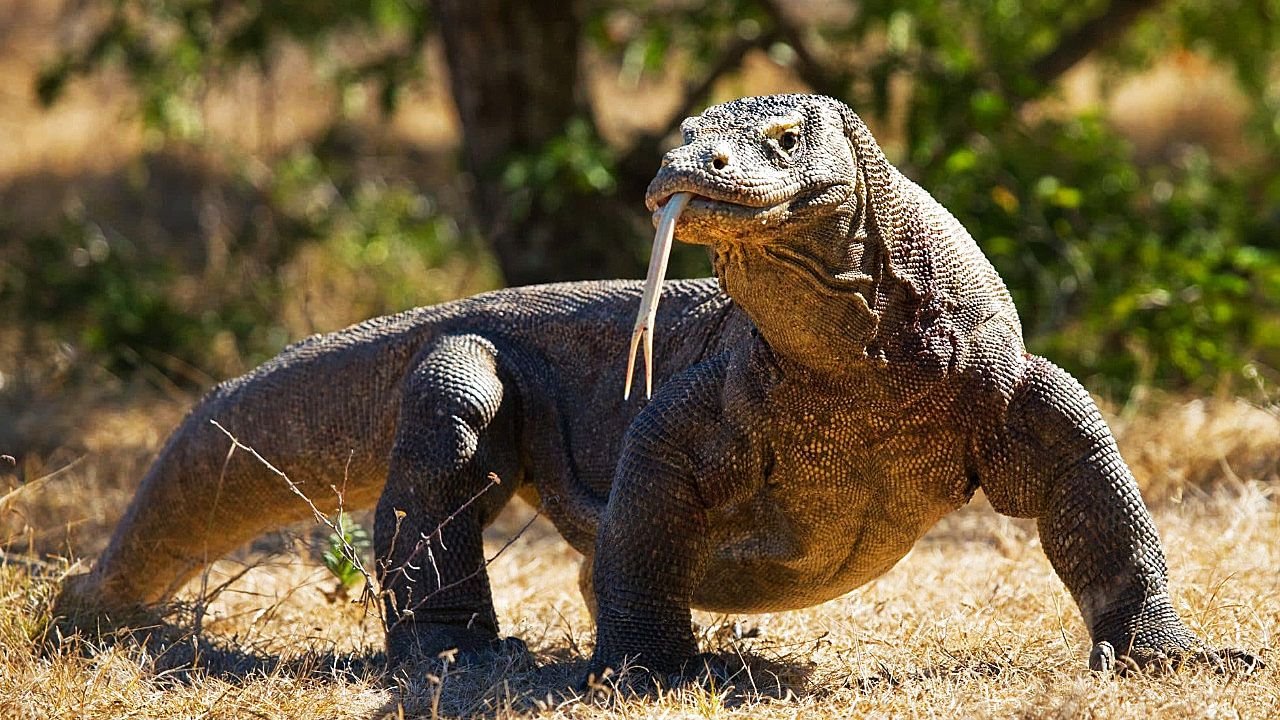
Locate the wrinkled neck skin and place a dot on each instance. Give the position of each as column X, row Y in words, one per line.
column 809, row 284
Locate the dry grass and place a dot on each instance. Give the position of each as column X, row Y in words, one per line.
column 972, row 624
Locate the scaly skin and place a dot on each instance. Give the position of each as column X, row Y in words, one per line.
column 857, row 372
column 386, row 411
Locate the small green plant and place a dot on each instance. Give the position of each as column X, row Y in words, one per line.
column 342, row 553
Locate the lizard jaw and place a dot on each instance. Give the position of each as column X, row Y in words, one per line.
column 709, row 209
column 668, row 209
column 713, row 209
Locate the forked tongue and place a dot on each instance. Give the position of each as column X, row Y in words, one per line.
column 661, row 253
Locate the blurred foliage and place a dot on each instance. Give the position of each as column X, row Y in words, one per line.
column 577, row 161
column 115, row 294
column 1162, row 271
column 372, row 244
column 174, row 49
column 1168, row 274
column 378, row 233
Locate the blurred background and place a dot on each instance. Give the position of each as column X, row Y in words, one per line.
column 187, row 185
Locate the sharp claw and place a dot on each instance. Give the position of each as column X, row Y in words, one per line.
column 652, row 288
column 1103, row 657
column 1149, row 661
column 1241, row 661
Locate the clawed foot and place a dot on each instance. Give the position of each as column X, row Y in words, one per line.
column 1155, row 661
column 705, row 669
column 455, row 647
column 1154, row 640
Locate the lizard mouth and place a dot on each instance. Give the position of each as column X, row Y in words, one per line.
column 706, row 200
column 707, row 204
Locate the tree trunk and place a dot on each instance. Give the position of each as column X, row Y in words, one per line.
column 515, row 80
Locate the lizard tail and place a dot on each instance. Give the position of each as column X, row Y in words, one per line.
column 312, row 433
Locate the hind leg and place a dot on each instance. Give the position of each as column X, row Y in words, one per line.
column 455, row 429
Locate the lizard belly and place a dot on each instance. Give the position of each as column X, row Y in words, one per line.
column 812, row 535
column 785, row 563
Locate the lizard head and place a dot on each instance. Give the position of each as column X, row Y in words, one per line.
column 798, row 202
column 778, row 171
column 759, row 163
column 832, row 252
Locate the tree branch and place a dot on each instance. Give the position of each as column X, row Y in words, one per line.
column 1120, row 15
column 815, row 73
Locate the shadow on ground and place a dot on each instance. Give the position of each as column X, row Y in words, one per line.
column 561, row 679
column 506, row 685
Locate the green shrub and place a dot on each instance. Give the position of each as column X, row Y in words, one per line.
column 1167, row 274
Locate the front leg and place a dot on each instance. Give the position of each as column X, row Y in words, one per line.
column 451, row 435
column 650, row 554
column 1054, row 458
column 653, row 546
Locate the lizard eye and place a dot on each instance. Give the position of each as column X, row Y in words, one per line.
column 788, row 140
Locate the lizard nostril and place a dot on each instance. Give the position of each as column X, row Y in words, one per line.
column 721, row 158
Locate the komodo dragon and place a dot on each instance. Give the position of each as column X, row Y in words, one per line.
column 854, row 372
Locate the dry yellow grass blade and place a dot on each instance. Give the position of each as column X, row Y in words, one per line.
column 973, row 623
